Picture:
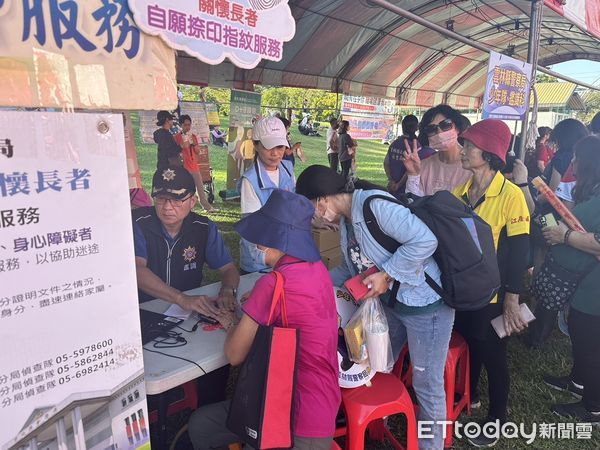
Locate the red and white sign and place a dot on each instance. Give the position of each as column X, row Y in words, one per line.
column 583, row 13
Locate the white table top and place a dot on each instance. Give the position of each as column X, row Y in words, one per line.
column 203, row 347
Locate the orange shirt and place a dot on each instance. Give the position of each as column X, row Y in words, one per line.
column 190, row 159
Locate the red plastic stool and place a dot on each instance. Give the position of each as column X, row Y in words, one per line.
column 366, row 407
column 456, row 379
column 401, row 362
column 188, row 401
column 456, row 382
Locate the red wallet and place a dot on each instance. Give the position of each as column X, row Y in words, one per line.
column 355, row 284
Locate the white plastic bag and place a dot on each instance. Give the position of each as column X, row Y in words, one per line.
column 377, row 336
column 367, row 336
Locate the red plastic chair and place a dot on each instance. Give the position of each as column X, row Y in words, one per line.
column 456, row 382
column 456, row 379
column 366, row 407
column 403, row 368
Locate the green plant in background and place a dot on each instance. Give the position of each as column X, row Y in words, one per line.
column 320, row 104
column 592, row 107
column 220, row 97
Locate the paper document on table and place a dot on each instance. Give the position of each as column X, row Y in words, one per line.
column 177, row 311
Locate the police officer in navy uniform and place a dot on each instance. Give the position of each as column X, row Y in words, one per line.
column 172, row 244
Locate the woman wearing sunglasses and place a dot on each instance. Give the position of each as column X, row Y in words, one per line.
column 438, row 129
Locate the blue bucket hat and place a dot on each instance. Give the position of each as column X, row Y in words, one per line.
column 284, row 223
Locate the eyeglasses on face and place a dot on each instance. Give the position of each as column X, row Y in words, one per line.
column 434, row 128
column 175, row 203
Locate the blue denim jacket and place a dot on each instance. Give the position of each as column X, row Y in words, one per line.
column 408, row 264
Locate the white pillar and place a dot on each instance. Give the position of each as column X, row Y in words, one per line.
column 61, row 434
column 33, row 444
column 78, row 432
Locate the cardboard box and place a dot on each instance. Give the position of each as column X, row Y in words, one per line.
column 326, row 239
column 332, row 258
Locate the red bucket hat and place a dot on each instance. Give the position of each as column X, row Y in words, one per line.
column 490, row 135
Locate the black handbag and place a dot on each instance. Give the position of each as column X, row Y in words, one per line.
column 554, row 285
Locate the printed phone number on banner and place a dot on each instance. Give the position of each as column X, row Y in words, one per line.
column 100, row 356
column 20, row 384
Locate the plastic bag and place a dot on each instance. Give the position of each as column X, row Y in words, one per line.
column 367, row 336
column 377, row 336
column 354, row 335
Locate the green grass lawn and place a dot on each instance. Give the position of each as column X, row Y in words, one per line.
column 530, row 399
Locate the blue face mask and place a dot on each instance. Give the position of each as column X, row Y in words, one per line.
column 258, row 256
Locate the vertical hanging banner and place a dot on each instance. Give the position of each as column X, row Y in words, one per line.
column 244, row 110
column 133, row 168
column 213, row 114
column 85, row 54
column 369, row 117
column 507, row 88
column 71, row 371
column 147, row 126
column 245, row 31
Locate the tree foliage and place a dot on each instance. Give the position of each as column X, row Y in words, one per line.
column 190, row 93
column 592, row 107
column 221, row 97
column 544, row 78
column 211, row 95
column 319, row 103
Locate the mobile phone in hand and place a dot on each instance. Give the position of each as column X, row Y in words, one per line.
column 548, row 221
column 498, row 322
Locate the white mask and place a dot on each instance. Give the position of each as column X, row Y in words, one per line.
column 258, row 256
column 329, row 215
column 443, row 140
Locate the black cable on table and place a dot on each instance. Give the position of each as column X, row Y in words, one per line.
column 177, row 357
column 194, row 328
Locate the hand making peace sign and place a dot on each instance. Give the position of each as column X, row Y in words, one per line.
column 410, row 158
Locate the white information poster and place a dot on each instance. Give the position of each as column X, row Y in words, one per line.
column 71, row 365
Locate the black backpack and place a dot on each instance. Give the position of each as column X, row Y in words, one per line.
column 465, row 254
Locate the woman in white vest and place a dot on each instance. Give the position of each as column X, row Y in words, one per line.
column 269, row 172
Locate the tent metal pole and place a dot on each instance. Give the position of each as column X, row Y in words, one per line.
column 451, row 34
column 535, row 25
